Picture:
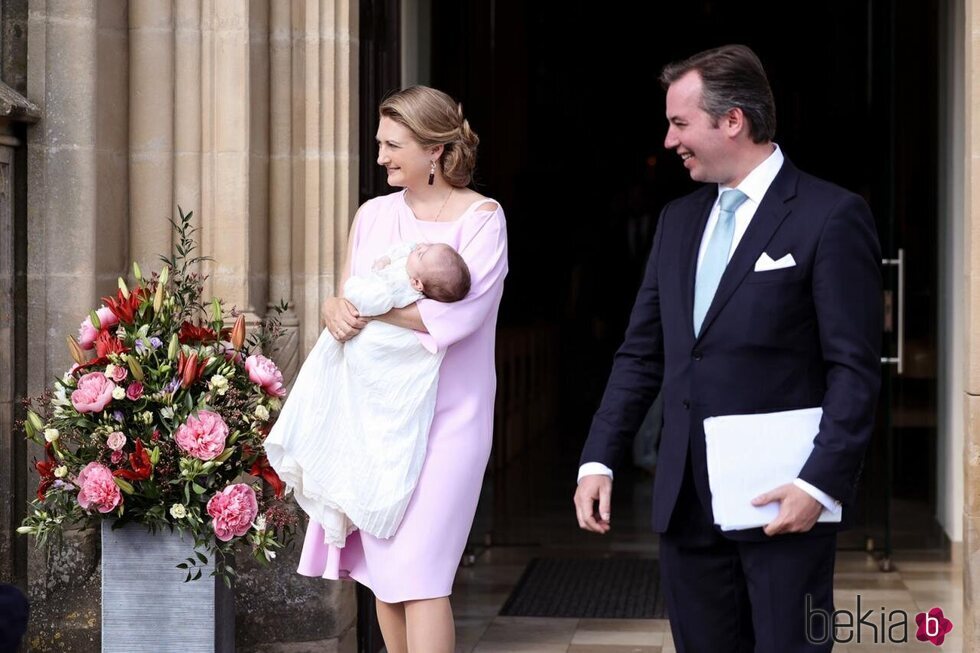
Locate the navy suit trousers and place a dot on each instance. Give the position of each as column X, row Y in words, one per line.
column 727, row 596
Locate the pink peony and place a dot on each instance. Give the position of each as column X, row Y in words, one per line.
column 116, row 440
column 93, row 394
column 97, row 489
column 233, row 509
column 88, row 333
column 264, row 372
column 203, row 436
column 134, row 391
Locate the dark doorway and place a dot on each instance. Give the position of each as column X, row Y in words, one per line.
column 565, row 99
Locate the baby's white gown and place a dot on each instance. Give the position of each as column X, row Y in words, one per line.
column 350, row 440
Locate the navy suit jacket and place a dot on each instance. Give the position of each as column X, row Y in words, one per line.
column 798, row 337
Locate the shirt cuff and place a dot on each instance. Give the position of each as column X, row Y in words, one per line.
column 593, row 468
column 827, row 501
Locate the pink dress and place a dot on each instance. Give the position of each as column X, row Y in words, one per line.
column 420, row 560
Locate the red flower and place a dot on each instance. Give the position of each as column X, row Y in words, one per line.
column 125, row 309
column 190, row 333
column 190, row 369
column 264, row 470
column 46, row 470
column 140, row 462
column 106, row 344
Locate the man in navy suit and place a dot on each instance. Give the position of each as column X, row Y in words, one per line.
column 762, row 293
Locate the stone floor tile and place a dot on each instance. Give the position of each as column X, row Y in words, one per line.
column 625, row 625
column 842, row 582
column 530, row 630
column 619, row 637
column 932, row 585
column 593, row 648
column 495, row 647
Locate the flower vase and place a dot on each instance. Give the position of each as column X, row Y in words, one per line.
column 147, row 606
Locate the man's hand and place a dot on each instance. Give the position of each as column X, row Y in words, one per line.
column 798, row 511
column 591, row 488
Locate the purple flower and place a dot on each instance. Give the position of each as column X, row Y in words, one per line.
column 140, row 347
column 118, row 416
column 155, row 342
column 172, row 386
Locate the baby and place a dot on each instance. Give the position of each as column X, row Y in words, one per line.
column 351, row 439
column 433, row 270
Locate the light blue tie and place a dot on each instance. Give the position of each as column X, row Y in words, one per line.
column 716, row 255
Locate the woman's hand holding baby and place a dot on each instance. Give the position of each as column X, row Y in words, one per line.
column 341, row 318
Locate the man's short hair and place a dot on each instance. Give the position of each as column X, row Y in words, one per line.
column 731, row 77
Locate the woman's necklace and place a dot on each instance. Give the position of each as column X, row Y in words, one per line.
column 451, row 189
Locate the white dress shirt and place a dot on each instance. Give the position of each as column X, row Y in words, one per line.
column 754, row 186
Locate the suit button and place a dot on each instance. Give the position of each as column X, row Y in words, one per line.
column 697, row 355
column 687, row 404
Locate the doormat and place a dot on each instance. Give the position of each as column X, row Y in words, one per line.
column 605, row 588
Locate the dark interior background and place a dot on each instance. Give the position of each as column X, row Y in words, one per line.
column 565, row 98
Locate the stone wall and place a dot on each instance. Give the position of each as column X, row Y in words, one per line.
column 244, row 112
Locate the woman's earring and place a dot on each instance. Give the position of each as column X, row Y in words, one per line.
column 432, row 172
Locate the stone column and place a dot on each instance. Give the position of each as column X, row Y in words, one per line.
column 971, row 518
column 76, row 169
column 228, row 232
column 112, row 151
column 280, row 184
column 187, row 109
column 258, row 154
column 76, row 231
column 327, row 132
column 62, row 79
column 151, row 129
column 307, row 254
column 340, row 144
column 312, row 126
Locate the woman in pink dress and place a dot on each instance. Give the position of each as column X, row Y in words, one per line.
column 429, row 151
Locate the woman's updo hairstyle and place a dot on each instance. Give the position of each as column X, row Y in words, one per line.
column 435, row 119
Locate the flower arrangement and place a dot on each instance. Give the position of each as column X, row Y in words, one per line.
column 161, row 426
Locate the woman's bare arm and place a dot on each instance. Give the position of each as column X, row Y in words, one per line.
column 408, row 317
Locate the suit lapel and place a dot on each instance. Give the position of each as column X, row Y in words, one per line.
column 772, row 211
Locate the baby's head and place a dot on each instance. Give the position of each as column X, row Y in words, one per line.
column 438, row 272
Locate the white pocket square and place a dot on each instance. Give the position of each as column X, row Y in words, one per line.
column 765, row 263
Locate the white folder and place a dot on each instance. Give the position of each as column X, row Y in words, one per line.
column 749, row 455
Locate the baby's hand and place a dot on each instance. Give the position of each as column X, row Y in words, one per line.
column 381, row 263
